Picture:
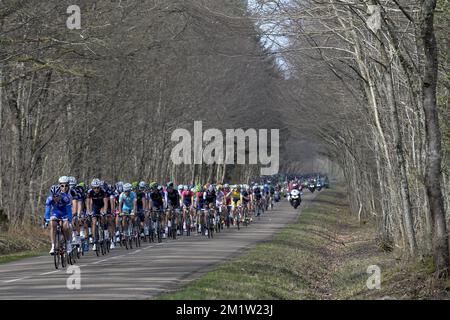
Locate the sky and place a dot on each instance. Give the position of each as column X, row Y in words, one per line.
column 274, row 41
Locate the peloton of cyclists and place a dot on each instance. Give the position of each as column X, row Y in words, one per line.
column 112, row 207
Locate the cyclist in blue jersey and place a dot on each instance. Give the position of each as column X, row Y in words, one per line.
column 127, row 204
column 58, row 206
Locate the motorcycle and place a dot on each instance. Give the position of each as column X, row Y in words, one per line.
column 312, row 187
column 295, row 199
column 319, row 187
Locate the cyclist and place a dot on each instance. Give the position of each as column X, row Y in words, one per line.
column 271, row 194
column 156, row 202
column 220, row 197
column 245, row 199
column 257, row 199
column 97, row 203
column 200, row 204
column 110, row 194
column 227, row 199
column 82, row 218
column 172, row 199
column 117, row 193
column 236, row 200
column 156, row 197
column 220, row 200
column 58, row 206
column 141, row 205
column 127, row 205
column 187, row 198
column 76, row 194
column 180, row 193
column 210, row 195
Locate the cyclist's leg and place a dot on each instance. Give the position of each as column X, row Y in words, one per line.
column 94, row 224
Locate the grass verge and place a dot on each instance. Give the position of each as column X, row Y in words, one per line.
column 16, row 245
column 21, row 255
column 325, row 255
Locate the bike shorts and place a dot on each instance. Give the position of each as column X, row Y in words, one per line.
column 141, row 215
column 208, row 203
column 236, row 203
column 58, row 216
column 126, row 212
column 96, row 211
column 175, row 207
column 187, row 204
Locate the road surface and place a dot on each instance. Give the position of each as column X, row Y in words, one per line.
column 140, row 273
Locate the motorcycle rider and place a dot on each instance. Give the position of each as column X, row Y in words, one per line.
column 295, row 194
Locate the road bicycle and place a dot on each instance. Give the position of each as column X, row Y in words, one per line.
column 210, row 222
column 59, row 255
column 136, row 232
column 100, row 243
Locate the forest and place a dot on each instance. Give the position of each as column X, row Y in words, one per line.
column 358, row 89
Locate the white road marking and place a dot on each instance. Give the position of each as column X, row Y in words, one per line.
column 43, row 274
column 14, row 280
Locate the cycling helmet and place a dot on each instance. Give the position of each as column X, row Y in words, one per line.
column 180, row 187
column 211, row 188
column 55, row 190
column 135, row 185
column 255, row 187
column 119, row 186
column 226, row 185
column 142, row 185
column 95, row 183
column 170, row 184
column 82, row 184
column 127, row 187
column 72, row 181
column 185, row 188
column 160, row 188
column 63, row 179
column 153, row 185
column 219, row 187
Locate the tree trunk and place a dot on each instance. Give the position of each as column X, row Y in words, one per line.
column 433, row 174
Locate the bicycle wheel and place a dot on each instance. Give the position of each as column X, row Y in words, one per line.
column 137, row 236
column 211, row 227
column 62, row 252
column 102, row 241
column 96, row 242
column 188, row 226
column 174, row 229
column 56, row 256
column 158, row 230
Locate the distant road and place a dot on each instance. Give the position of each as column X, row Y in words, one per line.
column 144, row 272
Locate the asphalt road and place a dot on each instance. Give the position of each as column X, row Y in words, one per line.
column 144, row 272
